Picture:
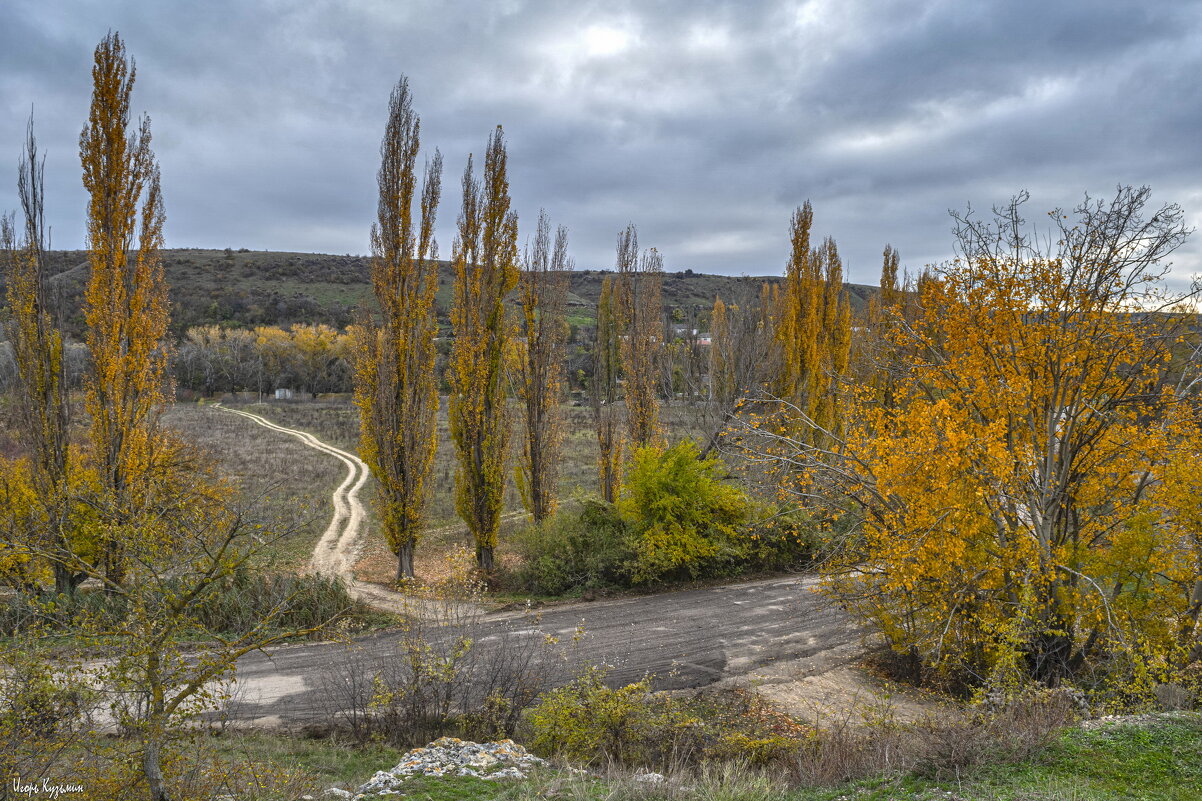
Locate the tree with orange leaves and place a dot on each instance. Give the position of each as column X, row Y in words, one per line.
column 1020, row 509
column 486, row 270
column 126, row 307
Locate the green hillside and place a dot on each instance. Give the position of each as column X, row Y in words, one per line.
column 248, row 288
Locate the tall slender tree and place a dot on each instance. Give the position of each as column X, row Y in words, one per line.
column 814, row 331
column 800, row 315
column 638, row 299
column 125, row 303
column 544, row 291
column 395, row 384
column 834, row 342
column 42, row 397
column 485, row 272
column 607, row 360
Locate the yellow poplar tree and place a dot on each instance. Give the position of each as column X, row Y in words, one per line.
column 543, row 291
column 125, row 302
column 814, row 328
column 723, row 385
column 485, row 272
column 395, row 385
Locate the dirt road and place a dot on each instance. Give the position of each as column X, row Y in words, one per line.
column 765, row 633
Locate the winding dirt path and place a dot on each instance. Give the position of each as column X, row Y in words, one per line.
column 340, row 546
column 338, row 549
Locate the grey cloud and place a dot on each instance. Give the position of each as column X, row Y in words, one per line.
column 703, row 122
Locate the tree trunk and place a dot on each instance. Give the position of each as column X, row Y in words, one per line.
column 114, row 567
column 484, row 558
column 404, row 562
column 153, row 768
column 62, row 580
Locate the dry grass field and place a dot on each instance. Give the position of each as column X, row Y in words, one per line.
column 280, row 478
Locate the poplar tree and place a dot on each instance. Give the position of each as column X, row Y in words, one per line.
column 486, row 270
column 125, row 302
column 834, row 342
column 814, row 331
column 604, row 391
column 42, row 397
column 395, row 384
column 879, row 358
column 544, row 290
column 639, row 304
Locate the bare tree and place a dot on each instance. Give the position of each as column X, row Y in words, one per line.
column 543, row 291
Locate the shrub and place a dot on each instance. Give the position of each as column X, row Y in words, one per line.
column 938, row 747
column 588, row 722
column 574, row 550
column 234, row 605
column 240, row 601
column 45, row 706
column 683, row 518
column 779, row 539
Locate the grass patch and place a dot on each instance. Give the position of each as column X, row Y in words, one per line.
column 330, row 762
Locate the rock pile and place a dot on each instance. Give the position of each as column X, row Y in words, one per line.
column 450, row 756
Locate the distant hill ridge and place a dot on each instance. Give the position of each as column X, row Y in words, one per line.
column 248, row 288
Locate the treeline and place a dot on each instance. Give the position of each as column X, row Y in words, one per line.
column 307, row 359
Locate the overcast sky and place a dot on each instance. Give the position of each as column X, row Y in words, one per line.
column 705, row 123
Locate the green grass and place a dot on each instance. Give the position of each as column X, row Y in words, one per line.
column 329, row 762
column 1162, row 761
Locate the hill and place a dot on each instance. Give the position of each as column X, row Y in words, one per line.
column 248, row 288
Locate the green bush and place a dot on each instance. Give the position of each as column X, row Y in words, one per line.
column 683, row 518
column 234, row 605
column 574, row 551
column 241, row 600
column 779, row 539
column 589, row 723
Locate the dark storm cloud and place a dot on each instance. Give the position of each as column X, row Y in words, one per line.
column 703, row 122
